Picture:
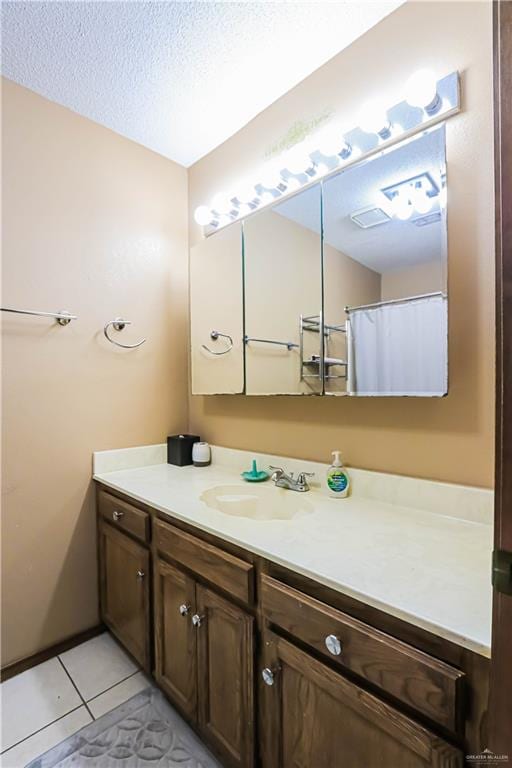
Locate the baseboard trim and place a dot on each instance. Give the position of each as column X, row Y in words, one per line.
column 10, row 670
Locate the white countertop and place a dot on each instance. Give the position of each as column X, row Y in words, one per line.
column 430, row 569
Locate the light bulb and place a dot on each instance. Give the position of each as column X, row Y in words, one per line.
column 266, row 198
column 292, row 184
column 270, row 176
column 329, row 141
column 401, row 206
column 373, row 119
column 421, row 91
column 421, row 201
column 321, row 169
column 224, row 221
column 297, row 159
column 203, row 215
column 222, row 203
column 246, row 193
column 244, row 209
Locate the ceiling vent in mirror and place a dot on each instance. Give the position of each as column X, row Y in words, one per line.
column 369, row 217
column 430, row 218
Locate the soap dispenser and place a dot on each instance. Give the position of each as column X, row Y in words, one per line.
column 338, row 481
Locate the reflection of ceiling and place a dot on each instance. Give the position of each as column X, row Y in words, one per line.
column 395, row 244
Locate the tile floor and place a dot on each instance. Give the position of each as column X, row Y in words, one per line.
column 44, row 705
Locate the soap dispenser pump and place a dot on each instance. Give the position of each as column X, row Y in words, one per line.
column 338, row 481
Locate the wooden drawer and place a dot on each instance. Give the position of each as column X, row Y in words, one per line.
column 234, row 576
column 124, row 516
column 411, row 676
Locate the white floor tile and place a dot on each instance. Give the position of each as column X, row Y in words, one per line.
column 33, row 699
column 49, row 737
column 118, row 694
column 97, row 665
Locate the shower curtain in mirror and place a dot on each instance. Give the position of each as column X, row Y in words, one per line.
column 399, row 348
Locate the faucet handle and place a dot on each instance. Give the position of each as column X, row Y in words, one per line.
column 277, row 472
column 302, row 477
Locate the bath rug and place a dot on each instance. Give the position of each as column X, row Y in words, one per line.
column 144, row 732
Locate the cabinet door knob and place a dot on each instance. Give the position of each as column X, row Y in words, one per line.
column 184, row 609
column 333, row 645
column 197, row 620
column 116, row 515
column 268, row 676
column 140, row 575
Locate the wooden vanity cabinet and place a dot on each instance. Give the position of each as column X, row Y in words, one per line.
column 204, row 648
column 334, row 681
column 124, row 591
column 311, row 716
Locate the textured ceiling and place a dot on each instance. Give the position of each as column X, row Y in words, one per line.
column 177, row 77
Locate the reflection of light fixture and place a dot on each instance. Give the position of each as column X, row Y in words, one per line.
column 421, row 201
column 401, row 206
column 414, row 194
column 421, row 91
column 373, row 119
column 203, row 215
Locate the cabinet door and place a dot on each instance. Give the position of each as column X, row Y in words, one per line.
column 124, row 591
column 225, row 678
column 311, row 717
column 216, row 304
column 175, row 637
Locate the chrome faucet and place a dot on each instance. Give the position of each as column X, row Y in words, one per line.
column 283, row 480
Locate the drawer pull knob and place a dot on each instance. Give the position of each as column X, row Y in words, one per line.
column 140, row 575
column 268, row 676
column 117, row 515
column 197, row 620
column 333, row 645
column 184, row 609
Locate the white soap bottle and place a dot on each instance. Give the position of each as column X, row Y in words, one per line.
column 338, row 480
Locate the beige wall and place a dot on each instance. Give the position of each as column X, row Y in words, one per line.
column 346, row 282
column 448, row 439
column 97, row 225
column 428, row 277
column 283, row 281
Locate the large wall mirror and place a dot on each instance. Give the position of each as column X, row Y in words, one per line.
column 340, row 289
column 385, row 273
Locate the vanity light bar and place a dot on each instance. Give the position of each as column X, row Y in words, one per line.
column 426, row 101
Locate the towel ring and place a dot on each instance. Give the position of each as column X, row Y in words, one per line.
column 118, row 323
column 214, row 335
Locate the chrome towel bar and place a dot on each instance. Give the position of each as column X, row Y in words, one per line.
column 62, row 317
column 288, row 344
column 118, row 324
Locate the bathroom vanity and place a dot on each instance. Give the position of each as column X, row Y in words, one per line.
column 264, row 649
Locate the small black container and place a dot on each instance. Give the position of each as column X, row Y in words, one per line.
column 179, row 449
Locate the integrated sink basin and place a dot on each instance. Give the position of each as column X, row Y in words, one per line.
column 257, row 502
